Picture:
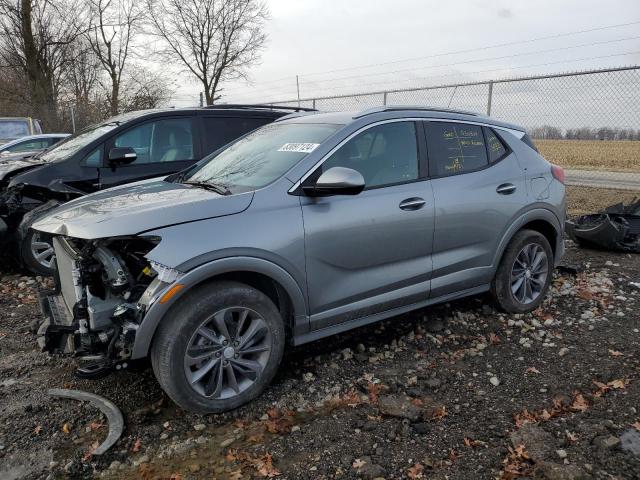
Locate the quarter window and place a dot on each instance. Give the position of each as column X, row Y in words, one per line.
column 386, row 154
column 169, row 140
column 495, row 146
column 455, row 148
column 94, row 159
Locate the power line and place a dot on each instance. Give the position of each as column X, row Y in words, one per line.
column 455, row 52
column 502, row 57
column 467, row 73
column 464, row 62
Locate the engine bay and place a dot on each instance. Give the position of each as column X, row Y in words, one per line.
column 94, row 311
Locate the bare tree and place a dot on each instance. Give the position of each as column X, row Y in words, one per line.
column 35, row 38
column 114, row 26
column 215, row 40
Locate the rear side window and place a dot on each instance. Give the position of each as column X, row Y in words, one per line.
column 455, row 148
column 495, row 147
column 218, row 131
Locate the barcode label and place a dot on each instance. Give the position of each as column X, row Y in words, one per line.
column 299, row 147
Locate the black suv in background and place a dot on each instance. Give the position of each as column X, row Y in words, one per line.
column 127, row 148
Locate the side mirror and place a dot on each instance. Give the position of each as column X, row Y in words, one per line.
column 122, row 155
column 336, row 181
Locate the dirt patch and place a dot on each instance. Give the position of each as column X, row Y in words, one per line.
column 585, row 200
column 456, row 391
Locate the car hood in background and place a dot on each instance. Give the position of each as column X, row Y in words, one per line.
column 17, row 162
column 137, row 208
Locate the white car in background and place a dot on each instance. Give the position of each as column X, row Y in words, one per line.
column 31, row 143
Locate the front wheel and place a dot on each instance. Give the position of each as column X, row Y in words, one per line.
column 218, row 348
column 37, row 252
column 524, row 273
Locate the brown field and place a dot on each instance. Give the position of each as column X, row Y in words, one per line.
column 613, row 155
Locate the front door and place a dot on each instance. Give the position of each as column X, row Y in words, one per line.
column 371, row 252
column 162, row 146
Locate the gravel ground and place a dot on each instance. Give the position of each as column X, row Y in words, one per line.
column 456, row 391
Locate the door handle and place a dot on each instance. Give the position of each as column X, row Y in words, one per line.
column 506, row 189
column 413, row 203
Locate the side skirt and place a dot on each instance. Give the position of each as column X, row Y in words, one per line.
column 359, row 322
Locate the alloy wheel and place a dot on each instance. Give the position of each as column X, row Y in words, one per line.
column 227, row 353
column 529, row 273
column 42, row 251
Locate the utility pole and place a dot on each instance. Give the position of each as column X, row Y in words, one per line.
column 298, row 88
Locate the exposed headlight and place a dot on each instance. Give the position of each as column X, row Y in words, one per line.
column 165, row 274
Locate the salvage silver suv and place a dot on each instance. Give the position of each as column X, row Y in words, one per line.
column 310, row 226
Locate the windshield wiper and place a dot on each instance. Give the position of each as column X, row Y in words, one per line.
column 214, row 187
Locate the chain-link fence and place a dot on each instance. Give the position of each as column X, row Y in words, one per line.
column 588, row 122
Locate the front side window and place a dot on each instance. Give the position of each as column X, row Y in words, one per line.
column 385, row 154
column 167, row 140
column 455, row 148
column 262, row 156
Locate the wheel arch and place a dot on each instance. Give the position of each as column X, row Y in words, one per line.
column 269, row 278
column 540, row 220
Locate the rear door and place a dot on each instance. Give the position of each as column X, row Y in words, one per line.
column 371, row 252
column 163, row 146
column 479, row 188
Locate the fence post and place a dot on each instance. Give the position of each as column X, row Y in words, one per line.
column 384, row 98
column 490, row 98
column 73, row 120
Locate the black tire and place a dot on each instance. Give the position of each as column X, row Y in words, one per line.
column 185, row 319
column 501, row 287
column 27, row 253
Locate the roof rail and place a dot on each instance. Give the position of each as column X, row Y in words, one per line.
column 396, row 108
column 266, row 107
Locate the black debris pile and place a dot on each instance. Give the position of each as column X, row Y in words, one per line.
column 616, row 228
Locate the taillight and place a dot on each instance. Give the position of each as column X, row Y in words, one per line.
column 558, row 173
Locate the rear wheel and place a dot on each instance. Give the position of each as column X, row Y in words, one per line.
column 218, row 348
column 524, row 273
column 37, row 252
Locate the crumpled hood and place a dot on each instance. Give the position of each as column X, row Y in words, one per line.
column 139, row 207
column 11, row 163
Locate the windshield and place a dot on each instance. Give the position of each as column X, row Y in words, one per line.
column 69, row 146
column 262, row 156
column 13, row 128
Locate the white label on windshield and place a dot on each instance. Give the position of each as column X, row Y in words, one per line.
column 299, row 147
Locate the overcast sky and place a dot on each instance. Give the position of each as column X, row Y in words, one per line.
column 323, row 40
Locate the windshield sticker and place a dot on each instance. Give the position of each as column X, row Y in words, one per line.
column 299, row 147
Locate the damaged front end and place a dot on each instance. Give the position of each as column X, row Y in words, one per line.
column 617, row 228
column 103, row 288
